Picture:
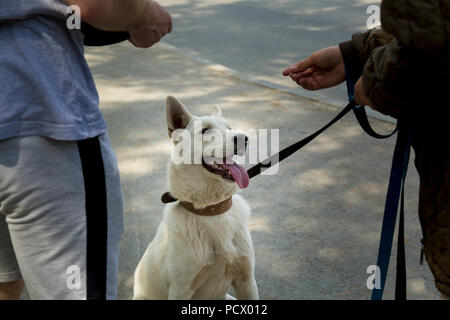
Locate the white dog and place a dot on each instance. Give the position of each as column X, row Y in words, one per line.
column 203, row 245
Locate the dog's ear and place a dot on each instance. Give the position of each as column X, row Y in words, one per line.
column 216, row 111
column 176, row 114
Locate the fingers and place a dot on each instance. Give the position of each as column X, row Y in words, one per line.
column 151, row 35
column 299, row 66
column 308, row 79
column 169, row 23
column 309, row 83
column 166, row 21
column 297, row 76
column 360, row 96
column 145, row 38
column 156, row 23
column 303, row 74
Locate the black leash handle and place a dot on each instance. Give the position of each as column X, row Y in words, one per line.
column 286, row 152
column 361, row 116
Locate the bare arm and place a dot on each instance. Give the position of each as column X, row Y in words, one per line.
column 146, row 20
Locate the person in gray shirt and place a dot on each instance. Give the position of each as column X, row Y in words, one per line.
column 61, row 203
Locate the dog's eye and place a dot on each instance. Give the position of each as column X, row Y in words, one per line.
column 204, row 130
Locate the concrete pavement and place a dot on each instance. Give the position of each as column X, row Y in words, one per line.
column 262, row 37
column 315, row 224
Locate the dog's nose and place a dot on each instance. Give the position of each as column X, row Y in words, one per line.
column 240, row 143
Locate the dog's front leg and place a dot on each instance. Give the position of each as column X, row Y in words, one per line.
column 246, row 290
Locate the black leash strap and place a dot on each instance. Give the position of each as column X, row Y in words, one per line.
column 400, row 280
column 361, row 116
column 286, row 152
column 97, row 37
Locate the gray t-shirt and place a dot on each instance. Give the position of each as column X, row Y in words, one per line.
column 46, row 88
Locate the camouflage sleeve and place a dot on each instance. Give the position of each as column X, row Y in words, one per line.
column 419, row 25
column 364, row 43
column 356, row 51
column 398, row 76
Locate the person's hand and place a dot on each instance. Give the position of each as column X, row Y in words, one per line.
column 154, row 24
column 322, row 69
column 360, row 96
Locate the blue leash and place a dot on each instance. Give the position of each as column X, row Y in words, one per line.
column 395, row 194
column 395, row 191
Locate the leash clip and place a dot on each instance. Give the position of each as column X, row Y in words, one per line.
column 168, row 198
column 266, row 165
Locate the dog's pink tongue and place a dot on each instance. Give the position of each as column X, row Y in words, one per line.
column 239, row 174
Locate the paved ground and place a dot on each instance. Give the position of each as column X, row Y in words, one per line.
column 315, row 224
column 261, row 37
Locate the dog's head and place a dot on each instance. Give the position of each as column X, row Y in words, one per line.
column 207, row 164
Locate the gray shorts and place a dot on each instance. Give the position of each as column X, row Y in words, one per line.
column 61, row 217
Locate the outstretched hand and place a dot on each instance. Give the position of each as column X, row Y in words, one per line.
column 322, row 69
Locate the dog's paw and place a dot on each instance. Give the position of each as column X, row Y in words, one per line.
column 229, row 297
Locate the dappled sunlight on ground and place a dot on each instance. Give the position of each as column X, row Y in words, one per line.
column 324, row 145
column 417, row 285
column 137, row 166
column 158, row 148
column 314, row 180
column 259, row 224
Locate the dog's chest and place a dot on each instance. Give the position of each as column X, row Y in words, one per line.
column 226, row 260
column 219, row 275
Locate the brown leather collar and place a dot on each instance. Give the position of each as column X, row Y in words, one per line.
column 212, row 210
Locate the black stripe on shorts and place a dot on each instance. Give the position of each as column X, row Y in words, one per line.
column 96, row 218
